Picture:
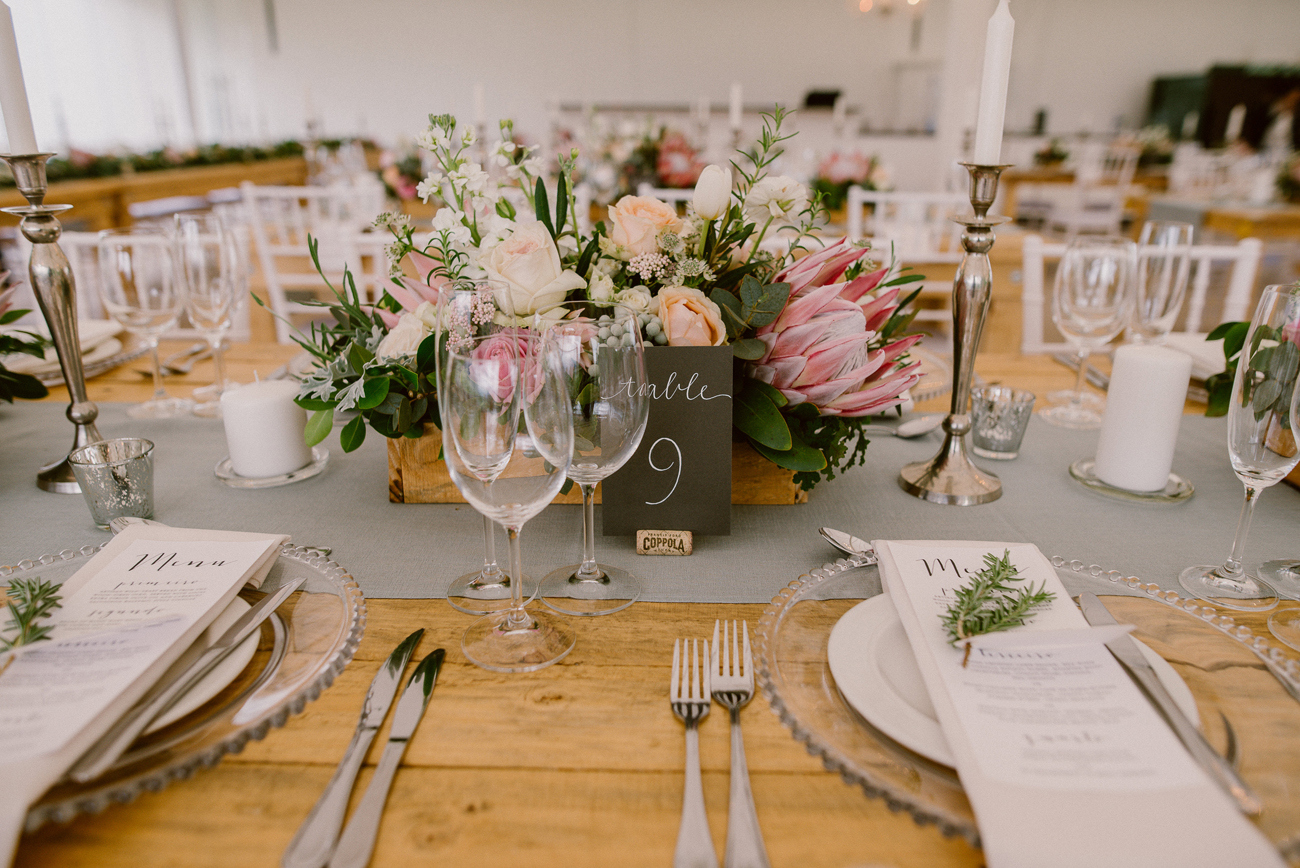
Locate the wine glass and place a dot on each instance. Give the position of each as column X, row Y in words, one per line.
column 141, row 289
column 604, row 371
column 468, row 309
column 1090, row 306
column 509, row 472
column 1164, row 264
column 210, row 267
column 1261, row 443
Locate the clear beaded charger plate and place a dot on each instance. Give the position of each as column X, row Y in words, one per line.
column 1236, row 674
column 303, row 646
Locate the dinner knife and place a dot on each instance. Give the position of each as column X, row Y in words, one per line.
column 1126, row 651
column 358, row 841
column 314, row 841
column 113, row 743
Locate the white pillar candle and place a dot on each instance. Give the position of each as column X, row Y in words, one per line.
column 993, row 87
column 264, row 429
column 736, row 106
column 13, row 94
column 1144, row 406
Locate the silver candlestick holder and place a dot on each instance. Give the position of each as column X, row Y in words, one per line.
column 950, row 477
column 56, row 293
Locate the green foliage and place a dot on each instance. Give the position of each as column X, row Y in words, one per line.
column 753, row 307
column 989, row 603
column 1270, row 374
column 29, row 600
column 1219, row 386
column 13, row 384
column 759, row 417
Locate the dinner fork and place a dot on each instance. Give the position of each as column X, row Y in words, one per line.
column 731, row 670
column 688, row 693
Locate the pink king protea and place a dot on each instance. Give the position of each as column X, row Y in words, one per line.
column 820, row 349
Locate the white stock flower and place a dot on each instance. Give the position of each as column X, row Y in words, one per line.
column 777, row 197
column 468, row 137
column 451, row 221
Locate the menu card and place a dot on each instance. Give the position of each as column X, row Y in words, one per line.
column 125, row 618
column 1063, row 759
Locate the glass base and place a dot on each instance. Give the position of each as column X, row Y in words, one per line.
column 517, row 640
column 1284, row 624
column 1063, row 412
column 208, row 409
column 1176, row 488
column 212, row 393
column 473, row 595
column 563, row 591
column 161, row 408
column 1246, row 593
column 320, row 456
column 1283, row 575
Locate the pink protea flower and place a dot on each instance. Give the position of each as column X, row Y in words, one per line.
column 820, row 349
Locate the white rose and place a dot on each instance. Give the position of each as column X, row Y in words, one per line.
column 405, row 337
column 601, row 290
column 712, row 192
column 427, row 313
column 527, row 265
column 776, row 197
column 637, row 298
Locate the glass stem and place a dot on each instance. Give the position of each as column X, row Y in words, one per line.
column 515, row 617
column 491, row 572
column 1232, row 569
column 1081, row 377
column 159, row 393
column 588, row 572
column 219, row 361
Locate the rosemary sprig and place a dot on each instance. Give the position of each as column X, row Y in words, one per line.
column 28, row 601
column 989, row 603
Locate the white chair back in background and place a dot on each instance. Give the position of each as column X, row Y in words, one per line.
column 282, row 218
column 1242, row 259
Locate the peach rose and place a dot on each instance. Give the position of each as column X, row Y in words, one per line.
column 527, row 265
column 690, row 319
column 636, row 221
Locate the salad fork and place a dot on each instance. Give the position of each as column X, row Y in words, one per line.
column 689, row 696
column 732, row 675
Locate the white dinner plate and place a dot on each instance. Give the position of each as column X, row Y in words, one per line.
column 95, row 335
column 222, row 674
column 876, row 673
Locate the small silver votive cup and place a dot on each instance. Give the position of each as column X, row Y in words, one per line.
column 116, row 478
column 999, row 417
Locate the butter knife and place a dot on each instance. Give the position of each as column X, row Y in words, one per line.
column 113, row 743
column 358, row 841
column 1126, row 651
column 314, row 841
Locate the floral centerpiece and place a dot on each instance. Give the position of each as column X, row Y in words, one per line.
column 816, row 332
column 13, row 384
column 1157, row 147
column 1051, row 154
column 841, row 170
column 1288, row 179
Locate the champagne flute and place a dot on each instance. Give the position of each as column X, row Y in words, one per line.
column 509, row 472
column 210, row 268
column 604, row 370
column 1090, row 306
column 1164, row 264
column 1261, row 443
column 140, row 287
column 468, row 309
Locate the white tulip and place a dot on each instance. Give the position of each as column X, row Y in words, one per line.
column 712, row 192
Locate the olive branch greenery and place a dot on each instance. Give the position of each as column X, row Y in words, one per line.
column 28, row 601
column 989, row 604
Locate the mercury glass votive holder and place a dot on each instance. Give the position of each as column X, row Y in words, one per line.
column 999, row 417
column 116, row 478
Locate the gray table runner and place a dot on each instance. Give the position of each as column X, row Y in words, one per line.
column 414, row 550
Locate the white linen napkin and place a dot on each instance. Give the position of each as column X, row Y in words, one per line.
column 90, row 332
column 1207, row 356
column 1074, row 782
column 29, row 770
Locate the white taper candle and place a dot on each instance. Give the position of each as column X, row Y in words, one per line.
column 13, row 94
column 993, row 87
column 736, row 105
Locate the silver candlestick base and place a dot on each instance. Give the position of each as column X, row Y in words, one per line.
column 51, row 277
column 950, row 477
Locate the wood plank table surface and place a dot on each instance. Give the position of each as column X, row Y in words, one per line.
column 579, row 764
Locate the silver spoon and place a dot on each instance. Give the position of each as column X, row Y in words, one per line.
column 918, row 427
column 859, row 550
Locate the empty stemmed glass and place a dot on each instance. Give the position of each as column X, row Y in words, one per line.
column 508, row 437
column 1090, row 306
column 1261, row 444
column 604, row 371
column 140, row 288
column 1164, row 264
column 213, row 276
column 467, row 309
column 1284, row 574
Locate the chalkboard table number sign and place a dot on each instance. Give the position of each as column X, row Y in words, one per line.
column 680, row 476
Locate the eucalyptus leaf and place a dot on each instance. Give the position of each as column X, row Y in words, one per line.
column 775, row 395
column 402, row 419
column 319, row 425
column 800, row 456
column 750, row 349
column 759, row 419
column 1266, row 395
column 1285, row 362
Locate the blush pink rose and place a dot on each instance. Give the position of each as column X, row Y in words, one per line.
column 690, row 319
column 636, row 221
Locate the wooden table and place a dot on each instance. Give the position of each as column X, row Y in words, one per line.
column 577, row 765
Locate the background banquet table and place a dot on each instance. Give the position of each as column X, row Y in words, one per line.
column 579, row 764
